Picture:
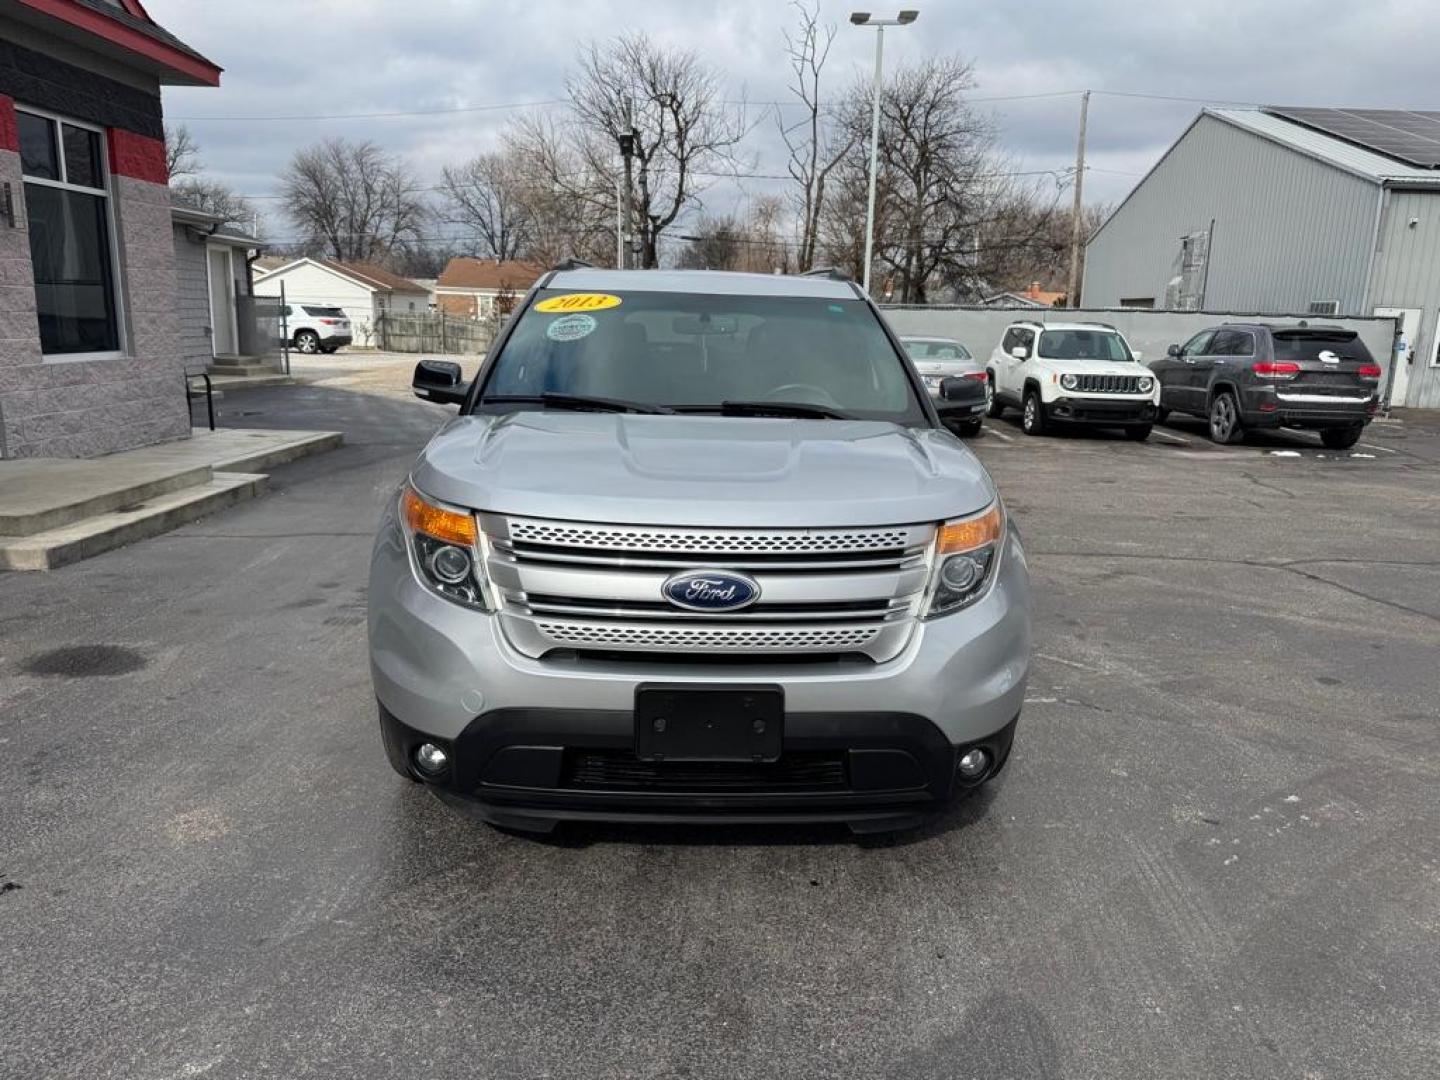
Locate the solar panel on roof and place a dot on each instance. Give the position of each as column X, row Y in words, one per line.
column 1411, row 136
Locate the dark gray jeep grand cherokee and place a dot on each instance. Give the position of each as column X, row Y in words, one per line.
column 1263, row 375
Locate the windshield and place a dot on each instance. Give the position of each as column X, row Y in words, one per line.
column 696, row 352
column 1084, row 345
column 935, row 350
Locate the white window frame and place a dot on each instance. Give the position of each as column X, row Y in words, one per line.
column 107, row 193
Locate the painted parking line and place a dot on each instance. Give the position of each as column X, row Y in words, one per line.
column 998, row 434
column 1372, row 446
column 1170, row 438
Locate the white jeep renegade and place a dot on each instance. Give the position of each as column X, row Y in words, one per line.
column 1082, row 373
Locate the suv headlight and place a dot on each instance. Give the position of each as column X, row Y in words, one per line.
column 1069, row 382
column 966, row 551
column 1146, row 384
column 447, row 550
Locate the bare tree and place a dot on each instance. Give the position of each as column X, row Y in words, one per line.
column 353, row 201
column 570, row 207
column 213, row 197
column 672, row 102
column 490, row 195
column 816, row 145
column 182, row 152
column 714, row 244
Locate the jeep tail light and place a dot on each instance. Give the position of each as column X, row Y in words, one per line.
column 1276, row 369
column 1369, row 371
column 978, row 376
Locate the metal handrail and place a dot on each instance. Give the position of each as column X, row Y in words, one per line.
column 190, row 394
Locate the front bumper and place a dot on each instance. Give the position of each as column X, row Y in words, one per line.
column 1102, row 411
column 531, row 768
column 447, row 674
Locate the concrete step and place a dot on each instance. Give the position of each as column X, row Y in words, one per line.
column 266, row 449
column 102, row 532
column 41, row 495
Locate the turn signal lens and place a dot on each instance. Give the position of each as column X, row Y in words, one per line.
column 448, row 525
column 970, row 533
column 1276, row 369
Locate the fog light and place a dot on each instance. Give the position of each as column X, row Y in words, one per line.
column 450, row 564
column 973, row 764
column 429, row 758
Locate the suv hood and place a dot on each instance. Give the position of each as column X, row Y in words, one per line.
column 704, row 470
column 1097, row 367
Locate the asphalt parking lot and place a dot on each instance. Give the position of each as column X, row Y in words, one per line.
column 1215, row 853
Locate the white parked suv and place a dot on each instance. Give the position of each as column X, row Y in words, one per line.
column 315, row 328
column 1083, row 373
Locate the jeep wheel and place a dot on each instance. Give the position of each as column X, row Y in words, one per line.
column 1341, row 438
column 307, row 341
column 993, row 408
column 1138, row 432
column 1225, row 419
column 1032, row 418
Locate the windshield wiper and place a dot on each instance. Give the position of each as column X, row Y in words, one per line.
column 783, row 408
column 575, row 401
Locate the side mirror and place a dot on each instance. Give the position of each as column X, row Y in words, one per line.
column 1173, row 350
column 961, row 398
column 440, row 381
column 1019, row 352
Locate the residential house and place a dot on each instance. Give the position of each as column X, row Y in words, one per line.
column 482, row 288
column 1034, row 296
column 363, row 291
column 215, row 294
column 1290, row 211
column 91, row 359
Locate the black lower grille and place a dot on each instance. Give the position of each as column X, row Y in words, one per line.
column 616, row 770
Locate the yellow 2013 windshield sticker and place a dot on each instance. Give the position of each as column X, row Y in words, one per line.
column 580, row 301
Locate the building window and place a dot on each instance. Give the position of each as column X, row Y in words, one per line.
column 1137, row 301
column 68, row 211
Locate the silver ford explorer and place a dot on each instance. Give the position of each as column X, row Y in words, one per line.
column 697, row 548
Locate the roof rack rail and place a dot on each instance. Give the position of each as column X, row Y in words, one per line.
column 834, row 273
column 572, row 264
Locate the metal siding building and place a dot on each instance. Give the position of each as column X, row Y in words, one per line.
column 1299, row 216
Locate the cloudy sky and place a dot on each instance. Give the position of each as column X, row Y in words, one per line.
column 289, row 62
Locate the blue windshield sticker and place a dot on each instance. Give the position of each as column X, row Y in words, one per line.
column 571, row 328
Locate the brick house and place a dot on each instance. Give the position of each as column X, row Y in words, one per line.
column 90, row 345
column 480, row 288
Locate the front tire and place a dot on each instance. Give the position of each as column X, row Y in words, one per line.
column 1138, row 432
column 307, row 341
column 993, row 407
column 1341, row 438
column 1225, row 425
column 1032, row 418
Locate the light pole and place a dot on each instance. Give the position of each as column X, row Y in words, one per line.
column 864, row 18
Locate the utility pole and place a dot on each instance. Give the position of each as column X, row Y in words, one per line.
column 864, row 18
column 1073, row 292
column 627, row 207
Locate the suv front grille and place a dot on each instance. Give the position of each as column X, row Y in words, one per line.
column 582, row 586
column 1109, row 384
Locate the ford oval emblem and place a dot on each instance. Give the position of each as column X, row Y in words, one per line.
column 711, row 590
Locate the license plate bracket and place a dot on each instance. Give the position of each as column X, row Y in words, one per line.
column 689, row 723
